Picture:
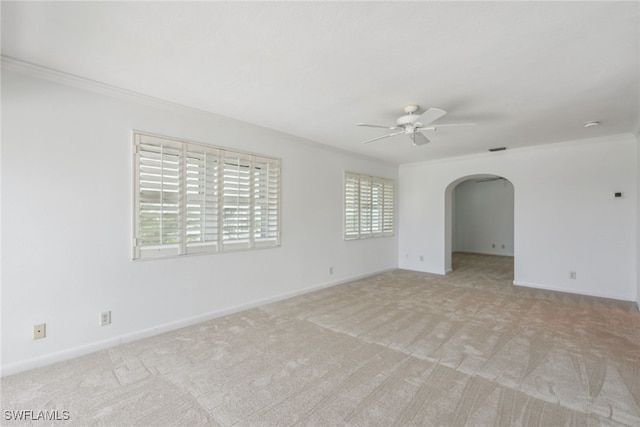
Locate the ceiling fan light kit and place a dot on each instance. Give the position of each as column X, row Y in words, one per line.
column 412, row 124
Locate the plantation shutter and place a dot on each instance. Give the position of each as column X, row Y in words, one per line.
column 388, row 209
column 365, row 206
column 159, row 193
column 376, row 206
column 236, row 208
column 351, row 206
column 266, row 202
column 202, row 168
column 369, row 206
column 192, row 198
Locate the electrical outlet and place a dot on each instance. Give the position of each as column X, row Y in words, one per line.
column 493, row 245
column 330, row 270
column 39, row 331
column 572, row 275
column 503, row 246
column 421, row 258
column 105, row 318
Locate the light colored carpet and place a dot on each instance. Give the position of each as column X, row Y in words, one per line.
column 400, row 348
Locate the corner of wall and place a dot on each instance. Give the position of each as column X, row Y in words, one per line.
column 638, row 221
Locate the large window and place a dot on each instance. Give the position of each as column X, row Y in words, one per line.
column 192, row 198
column 368, row 206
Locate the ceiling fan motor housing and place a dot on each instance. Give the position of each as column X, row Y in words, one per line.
column 408, row 120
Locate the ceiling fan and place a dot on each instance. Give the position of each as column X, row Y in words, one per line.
column 412, row 124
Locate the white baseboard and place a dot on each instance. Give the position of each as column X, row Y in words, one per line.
column 461, row 251
column 570, row 291
column 48, row 359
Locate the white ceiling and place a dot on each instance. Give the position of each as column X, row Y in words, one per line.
column 526, row 72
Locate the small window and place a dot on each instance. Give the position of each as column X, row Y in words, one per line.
column 194, row 198
column 368, row 206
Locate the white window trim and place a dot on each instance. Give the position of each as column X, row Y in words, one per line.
column 360, row 206
column 201, row 188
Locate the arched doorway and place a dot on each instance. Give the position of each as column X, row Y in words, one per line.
column 479, row 223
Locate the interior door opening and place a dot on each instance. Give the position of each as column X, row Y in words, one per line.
column 480, row 226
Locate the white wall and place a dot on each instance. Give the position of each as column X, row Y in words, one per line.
column 67, row 221
column 565, row 216
column 483, row 217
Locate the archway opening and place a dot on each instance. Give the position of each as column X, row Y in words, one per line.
column 479, row 226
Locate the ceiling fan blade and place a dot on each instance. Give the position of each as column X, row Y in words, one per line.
column 452, row 124
column 418, row 138
column 376, row 126
column 431, row 115
column 383, row 136
column 434, row 128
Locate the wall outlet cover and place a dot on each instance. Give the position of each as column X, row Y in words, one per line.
column 39, row 331
column 105, row 318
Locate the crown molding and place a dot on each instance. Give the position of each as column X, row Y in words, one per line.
column 12, row 64
column 22, row 67
column 531, row 148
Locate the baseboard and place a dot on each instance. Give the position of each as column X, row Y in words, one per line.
column 483, row 253
column 48, row 359
column 569, row 291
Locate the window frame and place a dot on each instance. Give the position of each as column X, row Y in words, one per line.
column 197, row 203
column 369, row 206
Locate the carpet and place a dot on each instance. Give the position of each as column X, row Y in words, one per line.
column 396, row 349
